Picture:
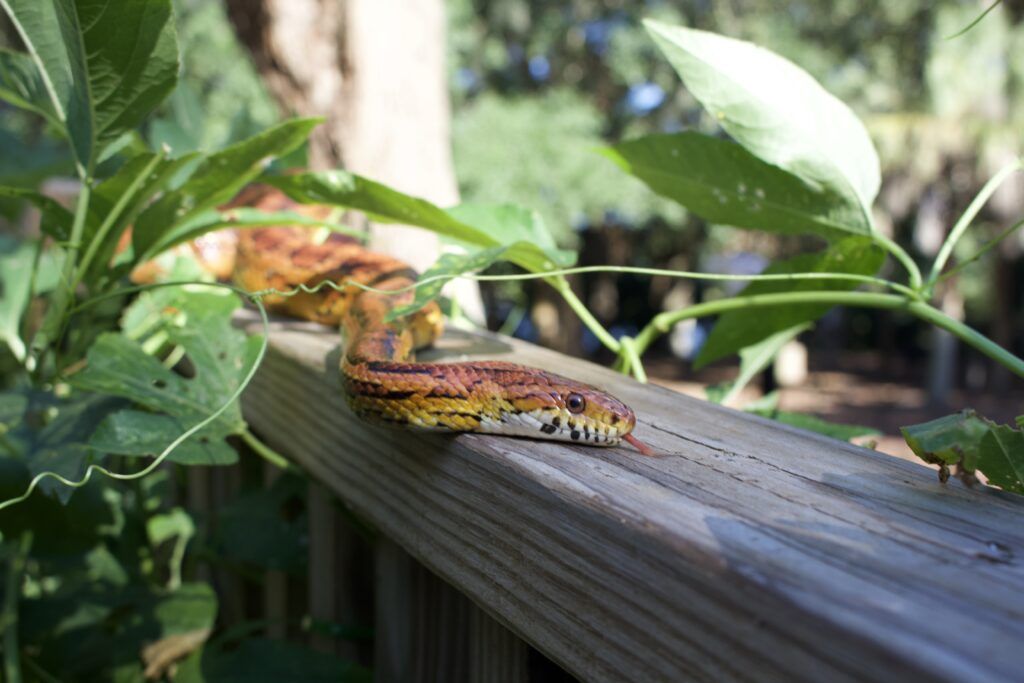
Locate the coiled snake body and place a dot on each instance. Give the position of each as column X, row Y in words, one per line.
column 381, row 381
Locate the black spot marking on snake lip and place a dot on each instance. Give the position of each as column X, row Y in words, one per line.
column 548, row 429
column 557, row 421
column 575, row 435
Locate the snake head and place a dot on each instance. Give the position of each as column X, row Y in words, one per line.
column 548, row 406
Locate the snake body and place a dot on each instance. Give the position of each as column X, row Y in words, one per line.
column 381, row 380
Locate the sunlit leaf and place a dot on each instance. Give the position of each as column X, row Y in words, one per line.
column 775, row 109
column 449, row 265
column 723, row 183
column 491, row 226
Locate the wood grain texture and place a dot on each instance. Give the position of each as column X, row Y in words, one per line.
column 748, row 551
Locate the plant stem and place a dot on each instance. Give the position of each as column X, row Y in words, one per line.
column 266, row 452
column 903, row 257
column 101, row 234
column 968, row 216
column 632, row 359
column 53, row 321
column 9, row 615
column 663, row 322
column 982, row 251
column 563, row 288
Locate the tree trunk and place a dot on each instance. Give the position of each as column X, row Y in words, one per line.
column 375, row 69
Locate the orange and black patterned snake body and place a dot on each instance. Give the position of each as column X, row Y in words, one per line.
column 381, row 381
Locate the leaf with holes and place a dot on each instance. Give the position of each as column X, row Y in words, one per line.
column 949, row 440
column 46, row 433
column 218, row 357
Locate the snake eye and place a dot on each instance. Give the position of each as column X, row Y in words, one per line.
column 575, row 403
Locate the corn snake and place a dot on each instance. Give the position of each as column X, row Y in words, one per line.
column 382, row 382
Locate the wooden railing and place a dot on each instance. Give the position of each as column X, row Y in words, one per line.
column 748, row 551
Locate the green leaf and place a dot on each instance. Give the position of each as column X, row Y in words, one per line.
column 775, row 109
column 22, row 85
column 140, row 434
column 836, row 430
column 132, row 58
column 754, row 359
column 15, row 280
column 520, row 229
column 51, row 434
column 282, row 541
column 102, row 64
column 449, row 265
column 52, row 35
column 220, row 356
column 106, row 195
column 723, row 183
column 948, row 440
column 55, row 219
column 739, row 329
column 1001, row 458
column 243, row 217
column 491, row 227
column 216, row 180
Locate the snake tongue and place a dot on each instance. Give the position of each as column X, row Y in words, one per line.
column 638, row 444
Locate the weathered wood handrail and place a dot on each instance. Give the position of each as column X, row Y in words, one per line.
column 749, row 551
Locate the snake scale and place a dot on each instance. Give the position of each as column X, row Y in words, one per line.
column 381, row 380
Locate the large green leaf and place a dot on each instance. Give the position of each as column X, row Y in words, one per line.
column 22, row 85
column 739, row 329
column 51, row 434
column 102, row 64
column 722, row 182
column 216, row 180
column 490, row 227
column 775, row 109
column 1001, row 458
column 220, row 357
column 132, row 60
column 52, row 35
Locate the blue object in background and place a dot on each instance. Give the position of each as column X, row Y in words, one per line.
column 540, row 68
column 643, row 98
